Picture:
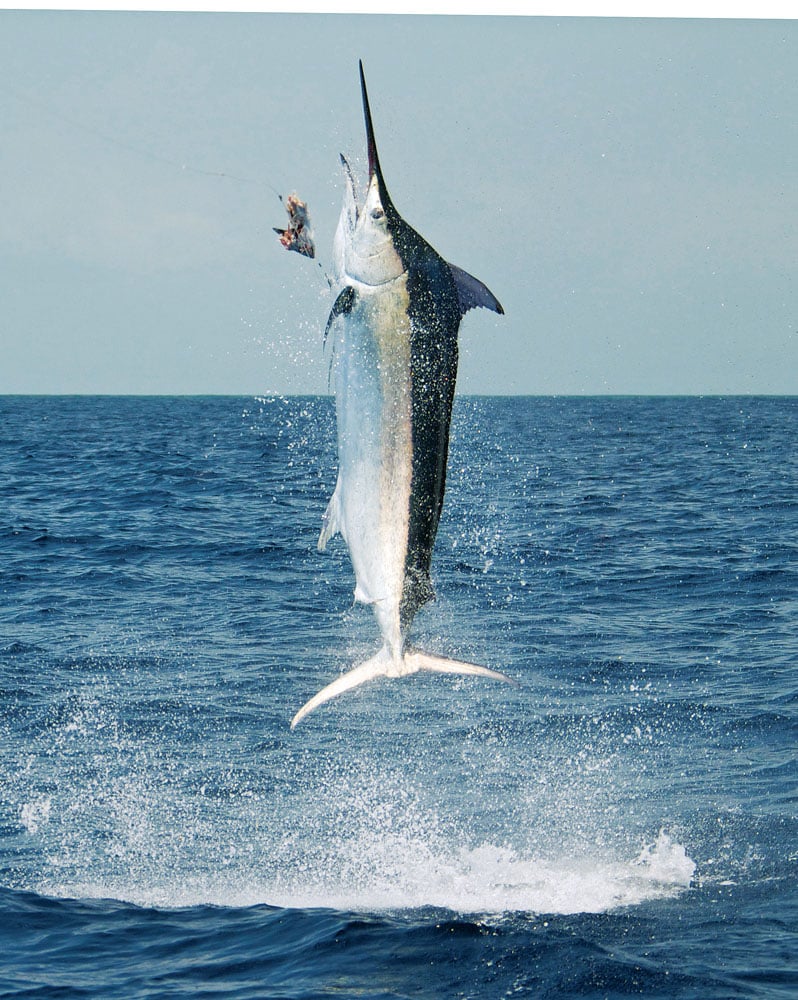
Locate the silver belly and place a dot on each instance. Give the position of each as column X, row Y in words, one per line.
column 375, row 447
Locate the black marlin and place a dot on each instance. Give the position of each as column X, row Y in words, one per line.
column 393, row 329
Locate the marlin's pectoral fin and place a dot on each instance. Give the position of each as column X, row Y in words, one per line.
column 342, row 305
column 473, row 293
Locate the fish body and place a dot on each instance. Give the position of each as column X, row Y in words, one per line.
column 393, row 330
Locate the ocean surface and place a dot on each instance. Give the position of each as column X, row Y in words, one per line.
column 624, row 822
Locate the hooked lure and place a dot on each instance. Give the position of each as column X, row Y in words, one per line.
column 298, row 236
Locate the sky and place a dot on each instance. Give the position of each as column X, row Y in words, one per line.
column 628, row 188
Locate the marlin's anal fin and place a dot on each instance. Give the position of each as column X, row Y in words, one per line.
column 473, row 293
column 330, row 522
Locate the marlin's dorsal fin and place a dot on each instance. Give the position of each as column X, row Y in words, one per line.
column 472, row 293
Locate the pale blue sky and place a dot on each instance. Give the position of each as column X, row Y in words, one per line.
column 627, row 188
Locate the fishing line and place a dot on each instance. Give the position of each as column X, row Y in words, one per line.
column 131, row 147
column 140, row 151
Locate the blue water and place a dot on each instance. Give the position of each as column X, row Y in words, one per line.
column 622, row 823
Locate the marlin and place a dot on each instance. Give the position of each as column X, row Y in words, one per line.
column 393, row 330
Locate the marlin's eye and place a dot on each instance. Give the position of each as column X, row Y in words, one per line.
column 377, row 213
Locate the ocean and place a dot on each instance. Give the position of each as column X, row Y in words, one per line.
column 622, row 823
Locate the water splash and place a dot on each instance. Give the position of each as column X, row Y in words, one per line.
column 153, row 833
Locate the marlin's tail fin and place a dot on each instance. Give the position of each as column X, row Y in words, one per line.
column 384, row 665
column 377, row 666
column 443, row 665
